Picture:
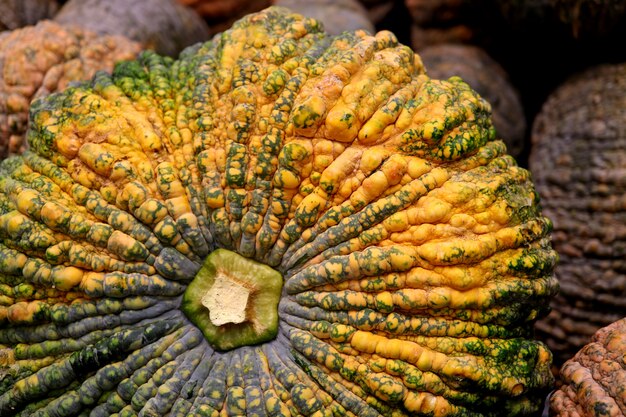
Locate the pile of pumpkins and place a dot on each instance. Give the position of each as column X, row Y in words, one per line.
column 552, row 116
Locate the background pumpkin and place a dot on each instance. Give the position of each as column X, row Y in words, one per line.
column 592, row 383
column 15, row 14
column 37, row 60
column 411, row 251
column 577, row 161
column 164, row 26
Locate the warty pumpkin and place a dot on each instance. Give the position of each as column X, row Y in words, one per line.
column 37, row 60
column 278, row 223
column 485, row 75
column 593, row 382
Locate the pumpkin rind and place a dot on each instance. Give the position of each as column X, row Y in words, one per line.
column 414, row 255
column 489, row 79
column 593, row 382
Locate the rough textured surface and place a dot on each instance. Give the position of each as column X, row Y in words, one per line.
column 593, row 382
column 489, row 79
column 578, row 162
column 414, row 256
column 15, row 14
column 37, row 60
column 161, row 25
column 336, row 15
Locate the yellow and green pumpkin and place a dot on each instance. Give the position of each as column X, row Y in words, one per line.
column 278, row 223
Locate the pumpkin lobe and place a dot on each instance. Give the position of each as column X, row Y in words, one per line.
column 233, row 300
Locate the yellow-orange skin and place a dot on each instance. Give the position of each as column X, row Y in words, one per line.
column 413, row 251
column 40, row 59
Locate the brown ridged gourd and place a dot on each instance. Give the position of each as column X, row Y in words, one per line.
column 280, row 223
column 578, row 165
column 37, row 60
column 593, row 382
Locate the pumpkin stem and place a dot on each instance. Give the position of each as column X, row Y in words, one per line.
column 233, row 300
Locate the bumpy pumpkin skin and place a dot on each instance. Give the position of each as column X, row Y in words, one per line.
column 37, row 60
column 593, row 382
column 489, row 79
column 577, row 160
column 413, row 254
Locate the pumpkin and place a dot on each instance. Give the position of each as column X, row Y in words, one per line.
column 161, row 25
column 485, row 75
column 593, row 382
column 280, row 222
column 577, row 160
column 36, row 60
column 15, row 14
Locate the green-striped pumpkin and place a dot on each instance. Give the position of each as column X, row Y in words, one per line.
column 278, row 223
